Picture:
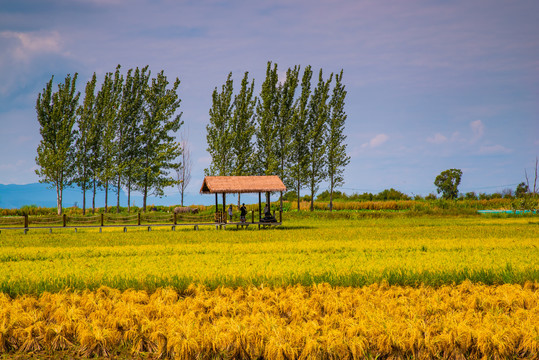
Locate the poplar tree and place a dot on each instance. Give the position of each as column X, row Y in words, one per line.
column 129, row 121
column 95, row 134
column 157, row 145
column 56, row 113
column 283, row 123
column 84, row 139
column 220, row 133
column 299, row 150
column 267, row 112
column 317, row 130
column 335, row 144
column 107, row 104
column 243, row 128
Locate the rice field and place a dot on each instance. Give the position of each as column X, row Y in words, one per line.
column 361, row 288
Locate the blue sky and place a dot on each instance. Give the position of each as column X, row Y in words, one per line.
column 431, row 85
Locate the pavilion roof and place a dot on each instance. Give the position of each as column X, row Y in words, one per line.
column 241, row 184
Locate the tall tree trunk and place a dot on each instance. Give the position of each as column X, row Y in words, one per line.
column 312, row 189
column 144, row 197
column 118, row 197
column 106, row 196
column 182, row 195
column 129, row 195
column 59, row 199
column 331, row 194
column 298, row 188
column 93, row 198
column 239, row 200
column 84, row 199
column 312, row 197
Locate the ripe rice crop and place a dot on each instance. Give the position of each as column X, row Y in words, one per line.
column 320, row 287
column 357, row 252
column 466, row 321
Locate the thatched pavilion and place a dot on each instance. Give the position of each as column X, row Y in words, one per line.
column 243, row 184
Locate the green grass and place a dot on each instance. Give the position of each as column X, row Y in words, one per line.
column 343, row 249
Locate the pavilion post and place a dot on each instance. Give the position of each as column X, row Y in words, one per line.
column 216, row 203
column 259, row 206
column 281, row 210
column 224, row 205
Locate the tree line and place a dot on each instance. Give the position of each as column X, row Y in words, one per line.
column 119, row 135
column 291, row 129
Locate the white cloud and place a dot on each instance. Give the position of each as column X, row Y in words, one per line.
column 456, row 137
column 30, row 44
column 478, row 129
column 437, row 139
column 494, row 150
column 376, row 141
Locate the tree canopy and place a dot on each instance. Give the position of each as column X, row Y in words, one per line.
column 447, row 183
column 298, row 134
column 124, row 134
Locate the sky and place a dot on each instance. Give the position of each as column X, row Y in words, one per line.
column 431, row 85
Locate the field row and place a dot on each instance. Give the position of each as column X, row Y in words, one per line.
column 404, row 251
column 323, row 322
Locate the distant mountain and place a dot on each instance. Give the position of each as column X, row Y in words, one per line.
column 16, row 196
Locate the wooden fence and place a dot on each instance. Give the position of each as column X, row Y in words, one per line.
column 219, row 220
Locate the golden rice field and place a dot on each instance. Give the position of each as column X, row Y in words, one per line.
column 345, row 252
column 361, row 288
column 466, row 321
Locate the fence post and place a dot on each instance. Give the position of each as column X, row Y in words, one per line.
column 174, row 218
column 102, row 217
column 138, row 218
column 26, row 221
column 253, row 216
column 65, row 219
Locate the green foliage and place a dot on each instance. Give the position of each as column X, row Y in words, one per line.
column 123, row 134
column 86, row 137
column 298, row 157
column 384, row 195
column 128, row 135
column 521, row 190
column 107, row 105
column 243, row 128
column 299, row 138
column 526, row 202
column 283, row 122
column 335, row 143
column 56, row 113
column 470, row 195
column 220, row 133
column 317, row 132
column 159, row 148
column 447, row 183
column 267, row 111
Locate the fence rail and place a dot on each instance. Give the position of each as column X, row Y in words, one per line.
column 219, row 220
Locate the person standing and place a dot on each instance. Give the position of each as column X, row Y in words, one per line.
column 243, row 212
column 230, row 213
